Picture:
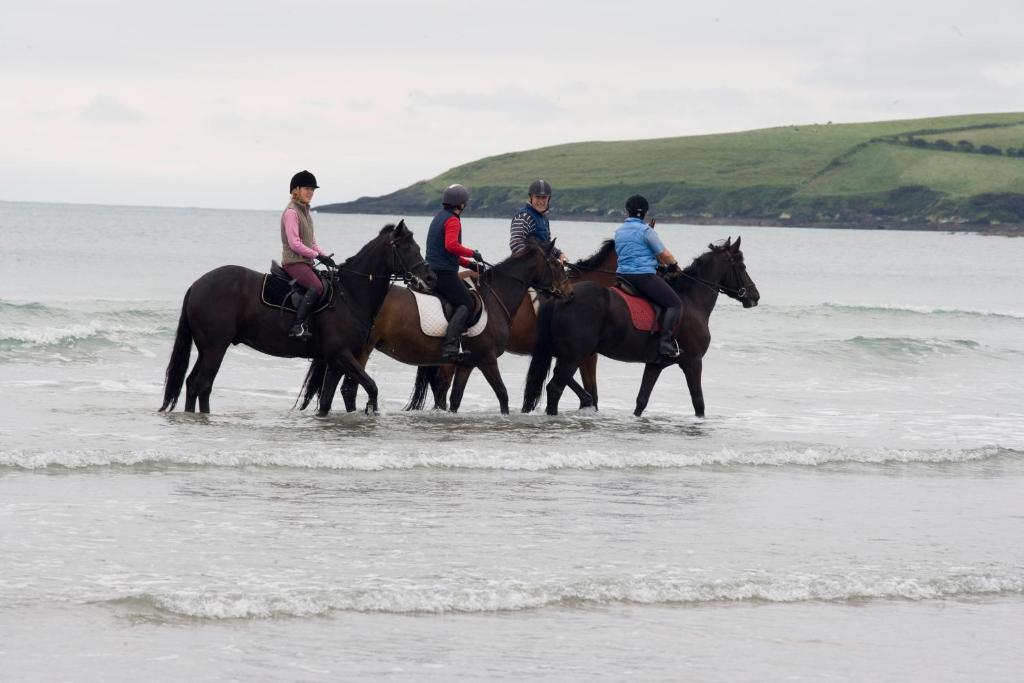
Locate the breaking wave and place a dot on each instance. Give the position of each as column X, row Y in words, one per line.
column 394, row 596
column 342, row 457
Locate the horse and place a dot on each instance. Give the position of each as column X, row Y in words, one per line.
column 502, row 288
column 598, row 267
column 224, row 307
column 597, row 320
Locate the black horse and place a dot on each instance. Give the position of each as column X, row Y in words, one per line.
column 224, row 307
column 596, row 320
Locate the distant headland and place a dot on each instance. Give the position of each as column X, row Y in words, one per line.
column 955, row 173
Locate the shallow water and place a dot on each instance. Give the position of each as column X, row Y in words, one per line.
column 849, row 508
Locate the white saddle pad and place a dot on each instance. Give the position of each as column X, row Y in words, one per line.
column 432, row 321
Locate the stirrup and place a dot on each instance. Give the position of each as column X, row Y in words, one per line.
column 457, row 356
column 300, row 331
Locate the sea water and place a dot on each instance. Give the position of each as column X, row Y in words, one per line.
column 850, row 508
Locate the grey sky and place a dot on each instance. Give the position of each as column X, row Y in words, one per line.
column 217, row 104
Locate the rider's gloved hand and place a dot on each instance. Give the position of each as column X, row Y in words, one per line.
column 477, row 257
column 326, row 260
column 672, row 268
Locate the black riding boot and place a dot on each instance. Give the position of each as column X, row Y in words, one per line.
column 456, row 326
column 668, row 349
column 299, row 329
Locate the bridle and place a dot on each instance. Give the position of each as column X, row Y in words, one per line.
column 549, row 290
column 405, row 276
column 737, row 293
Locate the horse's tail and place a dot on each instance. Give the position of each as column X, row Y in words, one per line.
column 314, row 380
column 425, row 375
column 175, row 375
column 543, row 351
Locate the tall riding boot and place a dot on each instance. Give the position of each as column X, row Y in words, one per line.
column 299, row 329
column 456, row 326
column 667, row 347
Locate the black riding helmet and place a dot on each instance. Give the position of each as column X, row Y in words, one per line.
column 303, row 179
column 540, row 188
column 636, row 206
column 455, row 195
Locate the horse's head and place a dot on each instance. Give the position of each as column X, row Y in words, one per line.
column 406, row 258
column 553, row 278
column 735, row 281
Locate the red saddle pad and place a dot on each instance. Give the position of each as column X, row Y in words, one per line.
column 641, row 311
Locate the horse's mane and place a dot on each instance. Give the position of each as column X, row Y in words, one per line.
column 598, row 257
column 532, row 245
column 387, row 229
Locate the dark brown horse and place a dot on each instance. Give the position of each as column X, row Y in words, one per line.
column 596, row 320
column 397, row 333
column 600, row 268
column 223, row 307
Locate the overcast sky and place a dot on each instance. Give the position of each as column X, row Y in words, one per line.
column 216, row 104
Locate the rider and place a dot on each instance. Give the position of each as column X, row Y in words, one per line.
column 639, row 250
column 531, row 220
column 445, row 253
column 300, row 250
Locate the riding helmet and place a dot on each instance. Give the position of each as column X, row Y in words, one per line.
column 303, row 179
column 636, row 206
column 455, row 195
column 540, row 188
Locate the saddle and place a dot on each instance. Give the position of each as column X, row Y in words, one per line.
column 280, row 290
column 435, row 312
column 644, row 313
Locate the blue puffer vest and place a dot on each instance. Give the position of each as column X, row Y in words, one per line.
column 541, row 224
column 437, row 257
column 635, row 255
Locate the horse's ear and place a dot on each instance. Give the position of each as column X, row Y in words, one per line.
column 551, row 246
column 728, row 242
column 736, row 245
column 401, row 227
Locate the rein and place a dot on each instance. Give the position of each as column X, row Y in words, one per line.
column 526, row 285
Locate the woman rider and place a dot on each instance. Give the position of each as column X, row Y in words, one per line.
column 639, row 250
column 445, row 253
column 300, row 250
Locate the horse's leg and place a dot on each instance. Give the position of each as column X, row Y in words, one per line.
column 560, row 377
column 350, row 386
column 489, row 368
column 692, row 366
column 588, row 373
column 332, row 375
column 462, row 373
column 351, row 366
column 349, row 389
column 200, row 381
column 651, row 373
column 440, row 384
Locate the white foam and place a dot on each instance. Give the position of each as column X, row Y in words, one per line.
column 481, row 595
column 399, row 457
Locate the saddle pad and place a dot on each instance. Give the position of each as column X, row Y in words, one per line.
column 535, row 300
column 432, row 320
column 640, row 310
column 274, row 293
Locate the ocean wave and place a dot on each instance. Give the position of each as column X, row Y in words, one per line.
column 913, row 310
column 407, row 457
column 909, row 346
column 77, row 334
column 410, row 597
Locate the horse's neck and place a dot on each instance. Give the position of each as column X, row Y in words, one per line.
column 366, row 281
column 702, row 296
column 509, row 287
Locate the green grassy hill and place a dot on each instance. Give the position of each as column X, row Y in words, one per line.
column 938, row 172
